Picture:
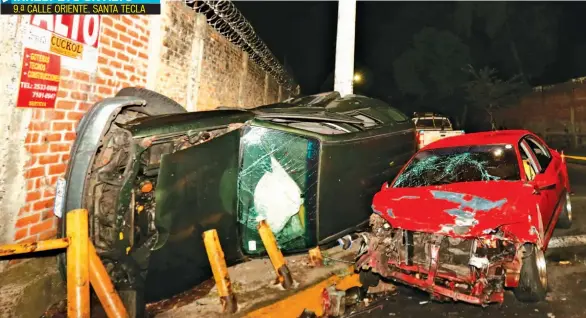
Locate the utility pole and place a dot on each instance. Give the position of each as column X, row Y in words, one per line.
column 344, row 73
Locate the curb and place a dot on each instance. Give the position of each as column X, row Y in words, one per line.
column 308, row 299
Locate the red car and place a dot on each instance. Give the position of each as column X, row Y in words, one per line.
column 469, row 216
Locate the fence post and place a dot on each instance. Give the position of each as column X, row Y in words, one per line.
column 103, row 286
column 220, row 271
column 78, row 285
column 279, row 264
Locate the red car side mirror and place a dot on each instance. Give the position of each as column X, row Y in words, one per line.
column 541, row 183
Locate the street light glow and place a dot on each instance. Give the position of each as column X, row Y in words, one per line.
column 357, row 78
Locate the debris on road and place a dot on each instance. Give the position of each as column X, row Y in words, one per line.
column 382, row 287
column 564, row 263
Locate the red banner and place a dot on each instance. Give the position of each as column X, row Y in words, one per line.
column 39, row 79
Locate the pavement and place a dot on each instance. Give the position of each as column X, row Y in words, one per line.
column 566, row 266
column 254, row 285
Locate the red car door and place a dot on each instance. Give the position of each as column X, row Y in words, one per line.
column 552, row 170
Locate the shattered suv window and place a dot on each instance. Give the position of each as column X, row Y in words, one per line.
column 278, row 182
column 460, row 164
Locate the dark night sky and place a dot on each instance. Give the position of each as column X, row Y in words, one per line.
column 304, row 33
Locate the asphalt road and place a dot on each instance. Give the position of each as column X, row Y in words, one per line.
column 566, row 268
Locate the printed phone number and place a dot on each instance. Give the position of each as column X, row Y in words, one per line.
column 42, row 87
column 44, row 95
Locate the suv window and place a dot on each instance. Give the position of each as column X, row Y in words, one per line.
column 397, row 115
column 367, row 122
column 540, row 151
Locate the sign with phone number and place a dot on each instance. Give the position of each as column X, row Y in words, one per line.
column 39, row 79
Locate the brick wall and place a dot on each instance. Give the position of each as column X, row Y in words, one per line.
column 122, row 61
column 557, row 113
column 176, row 54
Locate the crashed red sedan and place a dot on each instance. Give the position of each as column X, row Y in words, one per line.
column 469, row 216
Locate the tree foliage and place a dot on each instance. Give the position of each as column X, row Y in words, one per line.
column 432, row 65
column 519, row 37
column 487, row 92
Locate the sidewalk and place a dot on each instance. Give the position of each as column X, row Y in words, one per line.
column 256, row 295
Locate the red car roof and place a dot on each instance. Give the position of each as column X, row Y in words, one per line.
column 481, row 138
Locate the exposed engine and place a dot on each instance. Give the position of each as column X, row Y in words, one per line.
column 460, row 268
column 125, row 233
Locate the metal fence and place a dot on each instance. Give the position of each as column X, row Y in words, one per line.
column 227, row 20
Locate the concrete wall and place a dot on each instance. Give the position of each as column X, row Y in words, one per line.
column 557, row 113
column 176, row 54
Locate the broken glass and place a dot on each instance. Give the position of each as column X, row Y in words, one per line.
column 273, row 185
column 460, row 164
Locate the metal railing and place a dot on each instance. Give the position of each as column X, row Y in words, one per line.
column 84, row 267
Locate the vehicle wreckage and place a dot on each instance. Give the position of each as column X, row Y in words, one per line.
column 154, row 178
column 469, row 216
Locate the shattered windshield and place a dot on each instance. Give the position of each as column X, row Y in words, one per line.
column 277, row 182
column 431, row 123
column 460, row 164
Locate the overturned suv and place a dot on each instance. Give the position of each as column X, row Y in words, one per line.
column 469, row 216
column 155, row 177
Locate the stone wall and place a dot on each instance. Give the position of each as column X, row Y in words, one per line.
column 557, row 113
column 176, row 54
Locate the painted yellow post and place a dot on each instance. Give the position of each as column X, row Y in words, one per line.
column 103, row 286
column 277, row 259
column 220, row 271
column 78, row 285
column 12, row 249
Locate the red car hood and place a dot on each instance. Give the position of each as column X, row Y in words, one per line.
column 468, row 209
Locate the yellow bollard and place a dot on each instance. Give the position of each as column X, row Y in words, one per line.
column 277, row 259
column 103, row 286
column 23, row 248
column 220, row 271
column 78, row 285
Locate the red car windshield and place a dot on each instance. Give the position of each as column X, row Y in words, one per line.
column 460, row 164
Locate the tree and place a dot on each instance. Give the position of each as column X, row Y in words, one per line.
column 430, row 73
column 518, row 38
column 432, row 66
column 485, row 91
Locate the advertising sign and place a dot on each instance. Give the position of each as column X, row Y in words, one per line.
column 39, row 79
column 73, row 37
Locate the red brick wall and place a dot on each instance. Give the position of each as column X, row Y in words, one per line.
column 548, row 112
column 122, row 62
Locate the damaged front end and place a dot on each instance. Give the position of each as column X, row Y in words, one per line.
column 473, row 270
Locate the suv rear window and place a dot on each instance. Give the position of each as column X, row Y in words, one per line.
column 432, row 123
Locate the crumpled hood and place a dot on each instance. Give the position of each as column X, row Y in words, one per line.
column 468, row 209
